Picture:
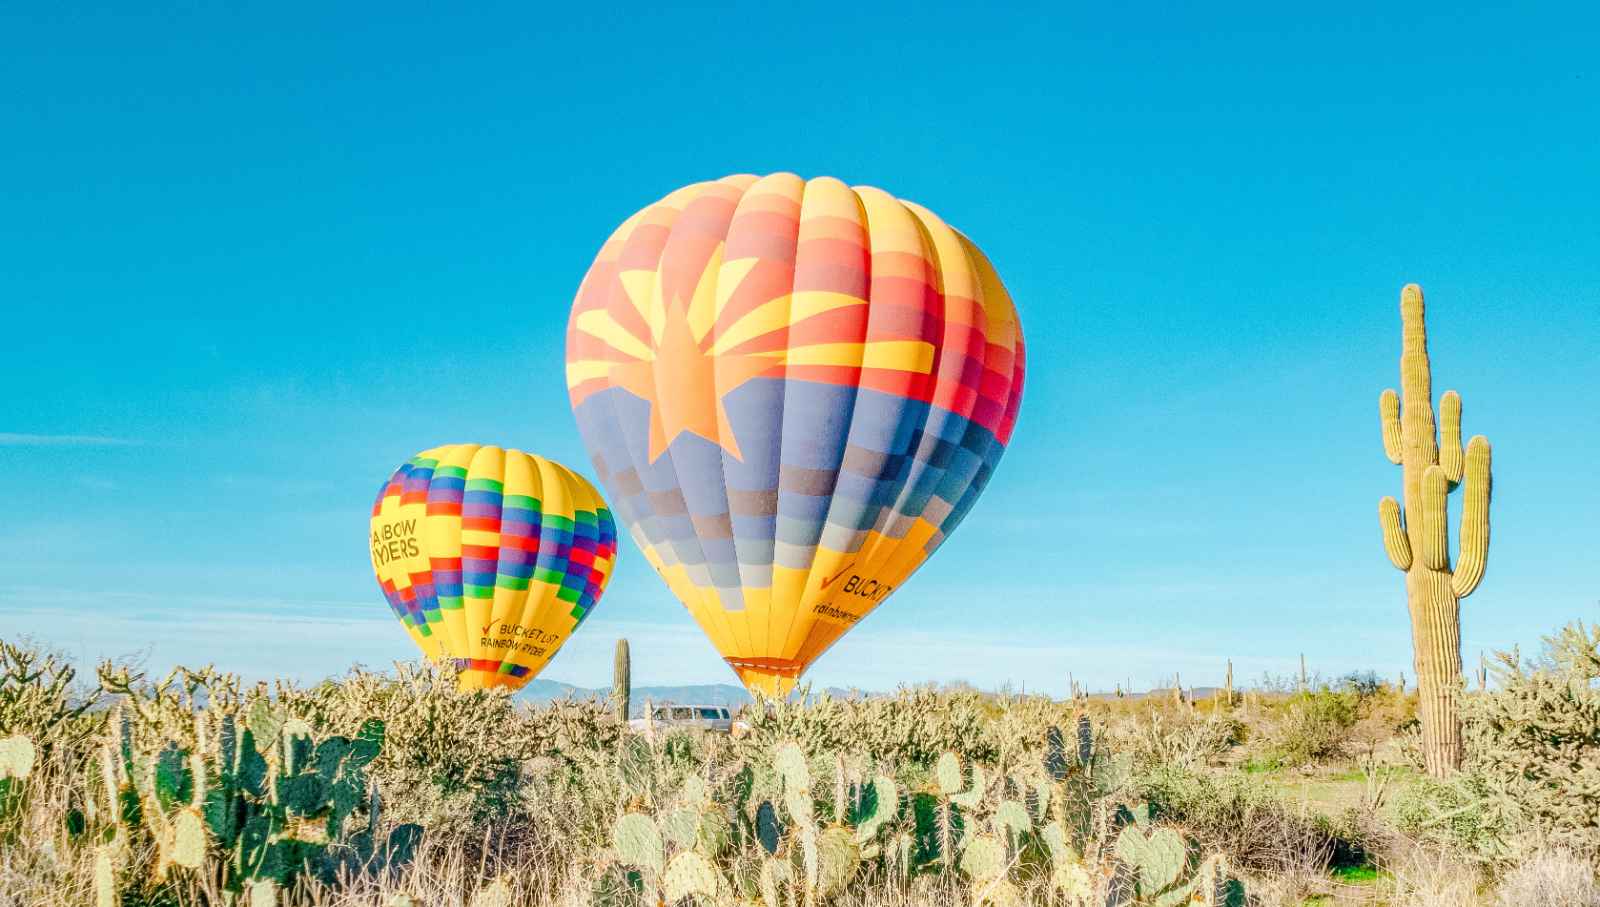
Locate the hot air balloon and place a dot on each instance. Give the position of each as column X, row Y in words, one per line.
column 491, row 558
column 794, row 391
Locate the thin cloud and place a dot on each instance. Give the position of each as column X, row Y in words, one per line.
column 16, row 439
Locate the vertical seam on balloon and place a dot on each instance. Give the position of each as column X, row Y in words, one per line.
column 512, row 611
column 936, row 272
column 849, row 429
column 783, row 405
column 667, row 453
column 709, row 591
column 459, row 647
column 968, row 497
column 743, row 623
column 530, row 615
column 919, row 469
column 482, row 651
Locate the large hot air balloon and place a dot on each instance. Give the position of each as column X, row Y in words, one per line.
column 793, row 391
column 491, row 557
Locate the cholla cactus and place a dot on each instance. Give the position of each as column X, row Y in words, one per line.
column 1417, row 537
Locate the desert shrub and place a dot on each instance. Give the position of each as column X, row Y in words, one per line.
column 1554, row 876
column 1532, row 772
column 1239, row 815
column 914, row 725
column 1180, row 737
column 1313, row 727
column 1434, row 877
column 454, row 754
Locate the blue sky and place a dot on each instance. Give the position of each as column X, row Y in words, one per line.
column 251, row 259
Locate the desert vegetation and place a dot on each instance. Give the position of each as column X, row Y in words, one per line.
column 397, row 789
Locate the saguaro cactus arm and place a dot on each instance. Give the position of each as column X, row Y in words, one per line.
column 1394, row 534
column 1435, row 519
column 1389, row 412
column 1450, row 436
column 1474, row 554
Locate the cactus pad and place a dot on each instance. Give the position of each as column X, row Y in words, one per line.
column 837, row 860
column 984, row 858
column 693, row 792
column 1159, row 858
column 678, row 827
column 638, row 842
column 264, row 893
column 767, row 829
column 265, row 723
column 1013, row 816
column 188, row 839
column 972, row 796
column 997, row 893
column 105, row 877
column 495, row 894
column 797, row 800
column 773, row 874
column 790, row 761
column 882, row 806
column 690, row 874
column 170, row 776
column 947, row 772
column 712, row 834
column 16, row 757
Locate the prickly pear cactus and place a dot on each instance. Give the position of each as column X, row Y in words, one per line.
column 947, row 772
column 1160, row 858
column 637, row 841
column 838, row 858
column 691, row 874
column 17, row 756
column 984, row 858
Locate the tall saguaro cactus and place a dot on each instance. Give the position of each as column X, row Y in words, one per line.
column 1418, row 538
column 622, row 680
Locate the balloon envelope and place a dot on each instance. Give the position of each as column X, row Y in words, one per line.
column 793, row 391
column 491, row 557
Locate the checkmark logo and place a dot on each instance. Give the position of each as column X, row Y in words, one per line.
column 829, row 581
column 485, row 630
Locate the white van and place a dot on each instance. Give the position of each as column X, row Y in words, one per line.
column 706, row 717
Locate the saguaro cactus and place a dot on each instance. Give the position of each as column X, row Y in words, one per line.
column 1417, row 538
column 622, row 680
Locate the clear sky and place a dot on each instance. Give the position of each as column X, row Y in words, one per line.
column 253, row 258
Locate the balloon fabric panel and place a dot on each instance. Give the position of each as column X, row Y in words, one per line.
column 491, row 557
column 793, row 391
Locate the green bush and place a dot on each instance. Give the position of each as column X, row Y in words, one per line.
column 1314, row 727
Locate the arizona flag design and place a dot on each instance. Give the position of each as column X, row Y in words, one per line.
column 793, row 390
column 491, row 558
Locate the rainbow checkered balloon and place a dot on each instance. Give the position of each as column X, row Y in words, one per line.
column 794, row 391
column 491, row 558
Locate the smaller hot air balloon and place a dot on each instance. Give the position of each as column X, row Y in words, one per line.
column 491, row 557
